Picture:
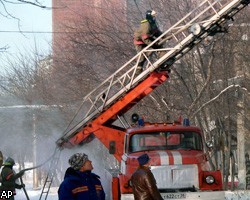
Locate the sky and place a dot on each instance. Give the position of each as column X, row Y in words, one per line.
column 35, row 22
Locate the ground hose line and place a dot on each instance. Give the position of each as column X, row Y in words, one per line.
column 25, row 192
column 31, row 168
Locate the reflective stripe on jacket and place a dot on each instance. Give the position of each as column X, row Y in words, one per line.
column 9, row 178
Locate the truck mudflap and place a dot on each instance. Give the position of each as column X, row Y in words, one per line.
column 213, row 195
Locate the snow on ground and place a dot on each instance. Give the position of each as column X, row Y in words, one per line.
column 35, row 194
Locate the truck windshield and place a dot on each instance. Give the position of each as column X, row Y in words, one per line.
column 165, row 141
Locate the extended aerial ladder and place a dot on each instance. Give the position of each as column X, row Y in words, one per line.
column 123, row 89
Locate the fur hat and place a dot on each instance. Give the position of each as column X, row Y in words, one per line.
column 143, row 159
column 77, row 160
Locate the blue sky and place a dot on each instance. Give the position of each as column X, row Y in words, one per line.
column 32, row 20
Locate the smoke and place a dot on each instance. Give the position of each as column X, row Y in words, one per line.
column 28, row 135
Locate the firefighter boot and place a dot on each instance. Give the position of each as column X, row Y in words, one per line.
column 138, row 70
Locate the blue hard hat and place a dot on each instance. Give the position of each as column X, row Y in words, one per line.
column 143, row 159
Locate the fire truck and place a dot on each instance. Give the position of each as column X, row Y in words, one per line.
column 178, row 160
column 177, row 150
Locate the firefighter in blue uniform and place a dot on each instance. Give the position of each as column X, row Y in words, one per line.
column 79, row 182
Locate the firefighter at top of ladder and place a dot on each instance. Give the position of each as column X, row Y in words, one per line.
column 145, row 35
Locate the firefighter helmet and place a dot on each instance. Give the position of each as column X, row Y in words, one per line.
column 9, row 162
column 150, row 15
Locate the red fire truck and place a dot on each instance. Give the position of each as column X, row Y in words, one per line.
column 178, row 161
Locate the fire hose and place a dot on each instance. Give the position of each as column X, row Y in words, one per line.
column 35, row 167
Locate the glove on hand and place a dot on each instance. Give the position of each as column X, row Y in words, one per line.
column 21, row 173
column 20, row 186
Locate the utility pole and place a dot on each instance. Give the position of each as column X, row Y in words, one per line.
column 35, row 171
column 241, row 144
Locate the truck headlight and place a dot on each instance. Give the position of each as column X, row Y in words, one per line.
column 209, row 179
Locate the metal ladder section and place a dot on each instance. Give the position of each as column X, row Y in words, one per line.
column 209, row 16
column 50, row 175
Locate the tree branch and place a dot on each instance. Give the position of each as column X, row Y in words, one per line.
column 203, row 88
column 216, row 97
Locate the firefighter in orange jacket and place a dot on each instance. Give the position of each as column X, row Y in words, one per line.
column 145, row 34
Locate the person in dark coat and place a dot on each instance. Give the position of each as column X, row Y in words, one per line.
column 79, row 182
column 145, row 35
column 9, row 178
column 143, row 181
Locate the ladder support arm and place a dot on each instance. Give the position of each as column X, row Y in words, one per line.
column 106, row 119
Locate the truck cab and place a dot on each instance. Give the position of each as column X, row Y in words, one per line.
column 178, row 160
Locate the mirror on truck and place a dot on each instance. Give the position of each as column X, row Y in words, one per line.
column 112, row 147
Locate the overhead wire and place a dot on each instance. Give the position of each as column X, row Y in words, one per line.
column 26, row 32
column 37, row 32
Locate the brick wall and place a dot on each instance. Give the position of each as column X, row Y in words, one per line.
column 67, row 13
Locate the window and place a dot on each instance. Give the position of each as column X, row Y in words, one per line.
column 165, row 141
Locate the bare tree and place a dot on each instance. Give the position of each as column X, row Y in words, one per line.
column 4, row 12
